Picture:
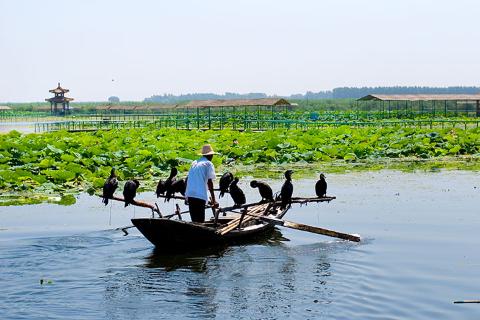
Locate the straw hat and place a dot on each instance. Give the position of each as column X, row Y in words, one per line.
column 207, row 150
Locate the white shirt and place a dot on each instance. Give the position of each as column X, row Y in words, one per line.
column 200, row 171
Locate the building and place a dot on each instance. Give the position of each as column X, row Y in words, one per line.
column 59, row 100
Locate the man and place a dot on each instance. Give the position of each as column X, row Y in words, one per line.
column 200, row 181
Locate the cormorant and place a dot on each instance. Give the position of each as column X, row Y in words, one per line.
column 321, row 186
column 161, row 189
column 168, row 183
column 130, row 191
column 265, row 191
column 110, row 186
column 236, row 193
column 224, row 183
column 287, row 190
column 179, row 186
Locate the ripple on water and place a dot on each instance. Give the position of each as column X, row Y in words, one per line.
column 421, row 255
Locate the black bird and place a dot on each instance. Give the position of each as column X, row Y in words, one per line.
column 265, row 191
column 321, row 186
column 161, row 189
column 111, row 184
column 178, row 186
column 224, row 183
column 287, row 190
column 130, row 191
column 236, row 193
column 168, row 183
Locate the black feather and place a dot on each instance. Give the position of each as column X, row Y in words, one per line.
column 161, row 189
column 236, row 193
column 287, row 190
column 169, row 182
column 264, row 189
column 111, row 184
column 224, row 183
column 130, row 191
column 321, row 187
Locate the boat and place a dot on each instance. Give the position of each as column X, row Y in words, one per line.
column 254, row 221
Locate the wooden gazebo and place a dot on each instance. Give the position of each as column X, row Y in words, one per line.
column 59, row 99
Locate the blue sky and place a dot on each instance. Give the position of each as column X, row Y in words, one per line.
column 276, row 47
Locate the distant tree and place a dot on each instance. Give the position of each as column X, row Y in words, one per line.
column 113, row 99
column 337, row 93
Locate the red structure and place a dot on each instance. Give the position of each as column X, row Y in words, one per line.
column 59, row 99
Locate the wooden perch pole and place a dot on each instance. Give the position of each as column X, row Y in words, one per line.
column 294, row 200
column 138, row 204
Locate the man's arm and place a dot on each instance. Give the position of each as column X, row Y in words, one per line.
column 212, row 194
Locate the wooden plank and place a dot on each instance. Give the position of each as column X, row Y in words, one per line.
column 234, row 224
column 253, row 214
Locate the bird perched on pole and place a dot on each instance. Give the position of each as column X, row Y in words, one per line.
column 111, row 184
column 161, row 189
column 287, row 190
column 178, row 186
column 224, row 183
column 321, row 186
column 265, row 191
column 236, row 193
column 168, row 183
column 130, row 191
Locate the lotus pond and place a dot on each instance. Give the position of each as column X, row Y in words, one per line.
column 53, row 167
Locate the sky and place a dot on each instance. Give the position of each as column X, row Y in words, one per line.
column 135, row 49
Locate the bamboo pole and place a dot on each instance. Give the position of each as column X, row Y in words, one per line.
column 299, row 200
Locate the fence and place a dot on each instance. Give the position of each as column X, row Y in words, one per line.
column 243, row 124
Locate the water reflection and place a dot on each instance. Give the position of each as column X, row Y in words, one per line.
column 196, row 260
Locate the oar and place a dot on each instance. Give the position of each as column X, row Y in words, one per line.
column 304, row 227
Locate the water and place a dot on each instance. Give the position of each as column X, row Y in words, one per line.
column 419, row 253
column 24, row 127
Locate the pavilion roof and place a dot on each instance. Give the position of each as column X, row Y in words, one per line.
column 59, row 99
column 59, row 89
column 5, row 108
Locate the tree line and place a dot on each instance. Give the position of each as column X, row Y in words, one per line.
column 337, row 93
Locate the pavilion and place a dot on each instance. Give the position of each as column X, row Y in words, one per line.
column 59, row 99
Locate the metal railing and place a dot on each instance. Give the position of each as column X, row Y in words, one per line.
column 219, row 123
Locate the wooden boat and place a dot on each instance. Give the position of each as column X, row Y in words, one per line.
column 253, row 222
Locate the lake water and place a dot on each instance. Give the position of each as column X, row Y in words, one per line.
column 20, row 126
column 419, row 253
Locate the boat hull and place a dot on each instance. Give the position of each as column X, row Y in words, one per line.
column 169, row 235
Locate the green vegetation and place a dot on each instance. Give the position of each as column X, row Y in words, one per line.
column 54, row 166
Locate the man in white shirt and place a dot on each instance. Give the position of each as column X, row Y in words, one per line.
column 200, row 181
